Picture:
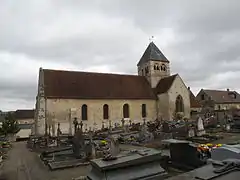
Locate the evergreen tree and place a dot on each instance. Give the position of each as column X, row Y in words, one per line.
column 10, row 125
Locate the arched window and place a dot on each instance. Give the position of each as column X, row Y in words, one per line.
column 156, row 67
column 163, row 67
column 146, row 70
column 144, row 110
column 179, row 104
column 126, row 111
column 84, row 112
column 105, row 111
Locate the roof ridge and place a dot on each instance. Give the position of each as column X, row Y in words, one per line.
column 91, row 72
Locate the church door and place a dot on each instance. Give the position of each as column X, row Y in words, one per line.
column 125, row 111
column 179, row 106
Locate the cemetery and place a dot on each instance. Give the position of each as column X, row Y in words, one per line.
column 156, row 149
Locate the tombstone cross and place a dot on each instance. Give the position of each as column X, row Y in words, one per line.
column 81, row 125
column 123, row 121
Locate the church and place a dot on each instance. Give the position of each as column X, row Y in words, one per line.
column 100, row 99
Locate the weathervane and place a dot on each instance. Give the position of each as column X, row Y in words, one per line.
column 151, row 39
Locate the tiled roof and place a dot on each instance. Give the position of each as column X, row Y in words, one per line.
column 194, row 103
column 152, row 53
column 164, row 84
column 24, row 114
column 223, row 96
column 88, row 85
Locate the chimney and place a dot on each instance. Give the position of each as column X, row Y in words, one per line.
column 227, row 89
column 188, row 88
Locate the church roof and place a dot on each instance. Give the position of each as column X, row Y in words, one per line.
column 164, row 84
column 89, row 85
column 152, row 53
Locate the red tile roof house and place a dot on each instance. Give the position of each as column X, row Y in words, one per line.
column 25, row 119
column 218, row 102
column 98, row 99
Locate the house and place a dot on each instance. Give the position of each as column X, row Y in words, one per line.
column 219, row 99
column 99, row 99
column 218, row 102
column 25, row 119
column 24, row 116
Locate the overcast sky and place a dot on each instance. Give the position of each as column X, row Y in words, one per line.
column 201, row 39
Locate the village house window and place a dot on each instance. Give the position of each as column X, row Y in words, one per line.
column 84, row 112
column 179, row 104
column 144, row 110
column 202, row 97
column 125, row 111
column 105, row 111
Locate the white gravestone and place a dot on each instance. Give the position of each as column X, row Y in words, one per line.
column 200, row 127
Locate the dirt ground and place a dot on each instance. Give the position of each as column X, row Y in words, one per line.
column 22, row 164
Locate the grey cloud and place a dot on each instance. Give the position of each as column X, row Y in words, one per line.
column 202, row 45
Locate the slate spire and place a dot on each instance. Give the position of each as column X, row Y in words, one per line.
column 152, row 53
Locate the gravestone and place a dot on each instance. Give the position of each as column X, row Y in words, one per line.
column 191, row 132
column 200, row 127
column 144, row 135
column 114, row 146
column 78, row 144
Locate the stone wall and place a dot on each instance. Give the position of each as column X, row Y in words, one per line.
column 59, row 109
column 179, row 88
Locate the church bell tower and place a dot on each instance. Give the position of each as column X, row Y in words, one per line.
column 153, row 65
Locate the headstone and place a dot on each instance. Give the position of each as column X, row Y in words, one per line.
column 103, row 125
column 114, row 146
column 165, row 127
column 78, row 144
column 130, row 122
column 200, row 127
column 191, row 132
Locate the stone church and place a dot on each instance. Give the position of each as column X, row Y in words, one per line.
column 97, row 99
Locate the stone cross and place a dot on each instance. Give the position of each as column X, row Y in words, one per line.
column 130, row 122
column 81, row 125
column 75, row 122
column 144, row 121
column 110, row 125
column 103, row 125
column 123, row 121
